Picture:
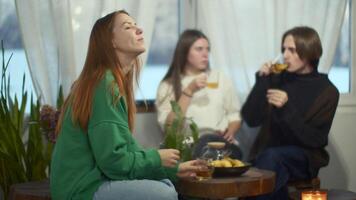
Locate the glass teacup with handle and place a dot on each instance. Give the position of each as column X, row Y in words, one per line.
column 206, row 173
column 278, row 65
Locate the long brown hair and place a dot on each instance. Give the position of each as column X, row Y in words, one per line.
column 100, row 57
column 179, row 61
column 307, row 43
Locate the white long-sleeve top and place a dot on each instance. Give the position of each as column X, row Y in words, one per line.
column 210, row 108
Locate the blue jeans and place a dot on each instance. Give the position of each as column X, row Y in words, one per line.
column 136, row 190
column 289, row 163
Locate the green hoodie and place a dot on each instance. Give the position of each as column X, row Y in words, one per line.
column 83, row 160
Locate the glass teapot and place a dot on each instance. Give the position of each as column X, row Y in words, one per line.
column 214, row 151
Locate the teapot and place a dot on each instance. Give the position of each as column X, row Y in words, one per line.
column 214, row 151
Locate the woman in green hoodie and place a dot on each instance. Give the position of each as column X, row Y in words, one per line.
column 95, row 156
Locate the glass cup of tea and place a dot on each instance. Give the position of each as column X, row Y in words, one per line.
column 205, row 173
column 213, row 80
column 278, row 65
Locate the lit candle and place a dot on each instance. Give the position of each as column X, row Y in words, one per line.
column 314, row 195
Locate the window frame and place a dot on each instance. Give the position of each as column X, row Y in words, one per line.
column 349, row 99
column 148, row 105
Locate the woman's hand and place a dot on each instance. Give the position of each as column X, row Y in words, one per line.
column 230, row 132
column 196, row 84
column 189, row 168
column 277, row 97
column 265, row 70
column 169, row 157
column 227, row 135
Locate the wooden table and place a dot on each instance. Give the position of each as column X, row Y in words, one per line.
column 252, row 183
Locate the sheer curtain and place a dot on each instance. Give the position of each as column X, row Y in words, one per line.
column 244, row 34
column 56, row 34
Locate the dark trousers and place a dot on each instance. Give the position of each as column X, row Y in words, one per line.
column 289, row 163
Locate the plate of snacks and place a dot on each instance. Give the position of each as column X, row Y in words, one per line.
column 228, row 167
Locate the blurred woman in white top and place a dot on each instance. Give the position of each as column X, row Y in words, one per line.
column 205, row 95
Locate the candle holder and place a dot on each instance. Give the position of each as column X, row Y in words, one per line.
column 314, row 195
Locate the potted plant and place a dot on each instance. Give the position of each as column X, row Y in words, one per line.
column 181, row 134
column 21, row 160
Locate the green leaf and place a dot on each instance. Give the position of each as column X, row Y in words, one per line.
column 195, row 131
column 7, row 91
column 186, row 153
column 60, row 98
column 177, row 110
column 8, row 62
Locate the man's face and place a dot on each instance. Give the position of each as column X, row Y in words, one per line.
column 291, row 57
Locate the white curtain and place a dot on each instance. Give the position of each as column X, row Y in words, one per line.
column 244, row 34
column 56, row 34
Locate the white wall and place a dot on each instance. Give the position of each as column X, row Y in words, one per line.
column 340, row 174
column 147, row 131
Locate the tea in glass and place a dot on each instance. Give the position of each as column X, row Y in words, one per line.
column 278, row 67
column 212, row 85
column 213, row 81
column 278, row 64
column 205, row 174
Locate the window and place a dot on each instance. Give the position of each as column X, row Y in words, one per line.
column 164, row 39
column 11, row 36
column 345, row 80
column 340, row 72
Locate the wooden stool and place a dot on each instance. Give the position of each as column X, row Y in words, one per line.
column 313, row 183
column 38, row 190
column 301, row 185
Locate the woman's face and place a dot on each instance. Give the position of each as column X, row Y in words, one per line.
column 198, row 55
column 127, row 37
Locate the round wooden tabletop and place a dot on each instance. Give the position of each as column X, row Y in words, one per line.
column 252, row 183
